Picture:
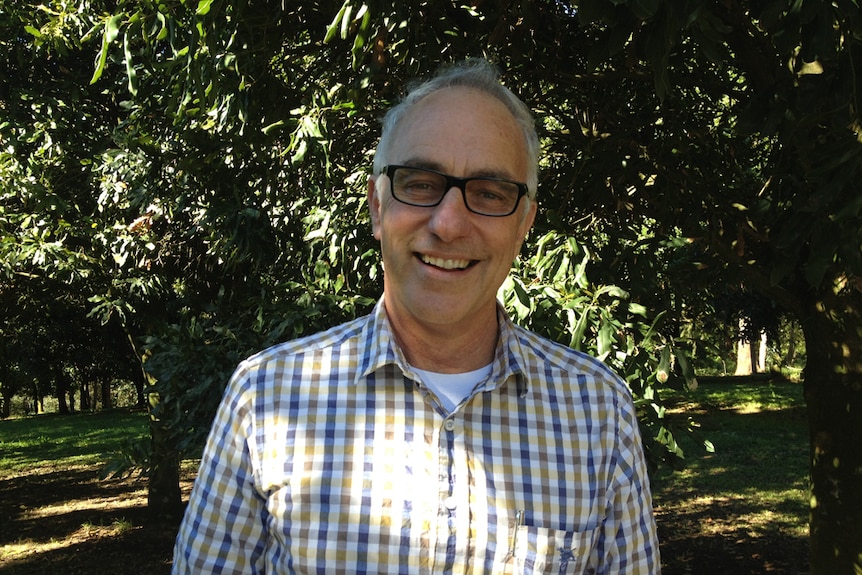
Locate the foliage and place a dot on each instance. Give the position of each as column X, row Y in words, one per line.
column 550, row 293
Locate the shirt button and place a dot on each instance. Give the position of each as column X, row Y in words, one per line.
column 449, row 425
column 449, row 503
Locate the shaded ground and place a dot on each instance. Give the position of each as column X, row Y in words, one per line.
column 741, row 509
column 68, row 522
column 709, row 540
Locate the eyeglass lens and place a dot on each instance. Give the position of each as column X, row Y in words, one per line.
column 488, row 196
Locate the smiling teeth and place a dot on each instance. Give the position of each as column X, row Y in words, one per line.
column 446, row 264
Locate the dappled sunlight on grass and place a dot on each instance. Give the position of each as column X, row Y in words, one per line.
column 86, row 532
column 749, row 408
column 89, row 504
column 87, row 439
column 59, row 516
column 741, row 509
column 747, row 500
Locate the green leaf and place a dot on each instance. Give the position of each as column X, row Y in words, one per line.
column 656, row 324
column 274, row 126
column 112, row 30
column 345, row 22
column 335, row 25
column 644, row 9
column 579, row 329
column 637, row 309
column 684, row 365
column 605, row 338
column 203, row 7
column 112, row 27
column 131, row 74
column 522, row 301
column 361, row 36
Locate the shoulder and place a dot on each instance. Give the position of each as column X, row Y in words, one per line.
column 555, row 363
column 559, row 355
column 336, row 339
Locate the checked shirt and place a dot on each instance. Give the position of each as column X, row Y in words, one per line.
column 329, row 455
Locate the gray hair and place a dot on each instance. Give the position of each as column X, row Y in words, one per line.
column 478, row 74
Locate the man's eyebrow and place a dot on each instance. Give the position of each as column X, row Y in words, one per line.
column 437, row 167
column 421, row 163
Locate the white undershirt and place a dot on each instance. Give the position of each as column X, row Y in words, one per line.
column 451, row 388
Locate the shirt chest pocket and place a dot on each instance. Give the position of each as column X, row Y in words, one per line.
column 541, row 550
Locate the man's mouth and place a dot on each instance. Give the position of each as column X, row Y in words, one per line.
column 445, row 264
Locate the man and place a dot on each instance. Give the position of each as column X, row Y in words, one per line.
column 434, row 435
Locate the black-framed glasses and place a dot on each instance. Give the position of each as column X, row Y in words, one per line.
column 425, row 188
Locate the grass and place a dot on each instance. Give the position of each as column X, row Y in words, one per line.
column 741, row 509
column 751, row 493
column 59, row 516
column 78, row 440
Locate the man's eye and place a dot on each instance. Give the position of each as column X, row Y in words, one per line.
column 421, row 185
column 490, row 195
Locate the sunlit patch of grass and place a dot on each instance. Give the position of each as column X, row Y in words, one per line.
column 121, row 526
column 752, row 407
column 90, row 504
column 88, row 531
column 117, row 527
column 81, row 439
column 23, row 548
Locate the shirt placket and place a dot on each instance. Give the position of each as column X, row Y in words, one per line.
column 453, row 507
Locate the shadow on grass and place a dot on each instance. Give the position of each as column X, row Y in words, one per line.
column 710, row 539
column 69, row 521
column 743, row 508
column 135, row 551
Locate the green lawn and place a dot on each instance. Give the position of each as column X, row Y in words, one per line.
column 748, row 499
column 78, row 440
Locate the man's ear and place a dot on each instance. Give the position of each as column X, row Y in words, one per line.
column 374, row 205
column 527, row 219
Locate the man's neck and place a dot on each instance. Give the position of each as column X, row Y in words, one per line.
column 446, row 348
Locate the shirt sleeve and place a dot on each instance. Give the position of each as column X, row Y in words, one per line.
column 223, row 530
column 629, row 534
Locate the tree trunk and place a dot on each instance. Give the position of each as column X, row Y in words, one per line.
column 62, row 406
column 8, row 394
column 164, row 498
column 85, row 396
column 833, row 392
column 107, row 400
column 744, row 353
column 790, row 356
column 761, row 353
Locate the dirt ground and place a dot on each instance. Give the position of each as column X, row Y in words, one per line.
column 711, row 541
column 68, row 522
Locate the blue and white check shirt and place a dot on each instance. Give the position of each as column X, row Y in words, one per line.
column 328, row 455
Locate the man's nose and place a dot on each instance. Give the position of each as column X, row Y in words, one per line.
column 450, row 218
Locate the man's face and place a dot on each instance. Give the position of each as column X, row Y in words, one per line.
column 443, row 265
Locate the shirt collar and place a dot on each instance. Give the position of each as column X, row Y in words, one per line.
column 380, row 346
column 381, row 349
